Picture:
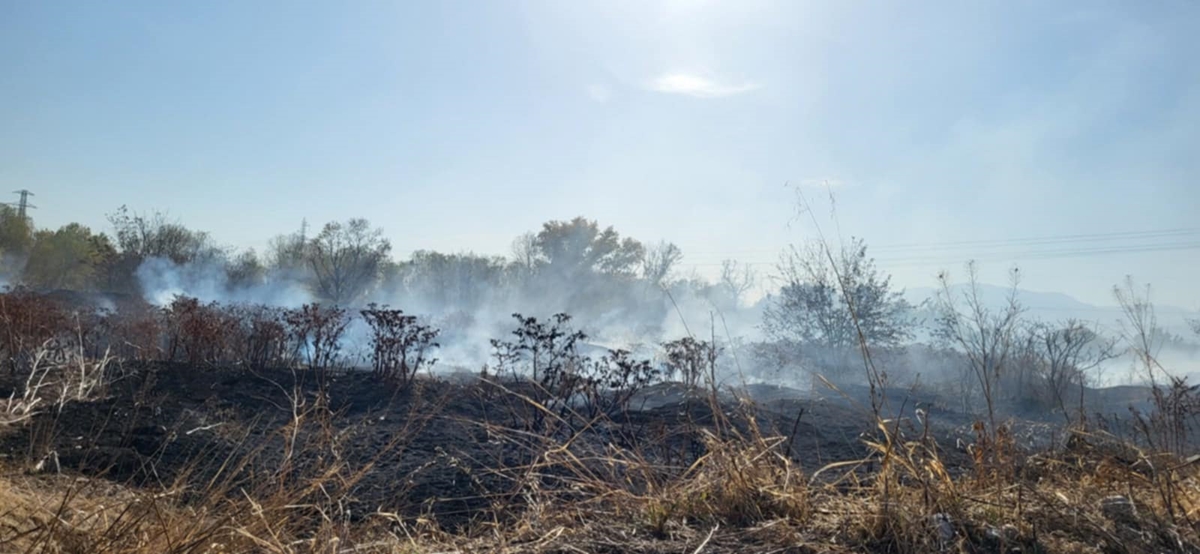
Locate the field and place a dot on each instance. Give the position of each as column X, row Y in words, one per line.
column 139, row 453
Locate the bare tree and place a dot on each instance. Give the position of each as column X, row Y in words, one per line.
column 287, row 253
column 346, row 259
column 737, row 279
column 1065, row 353
column 1139, row 328
column 659, row 261
column 154, row 236
column 985, row 336
column 526, row 257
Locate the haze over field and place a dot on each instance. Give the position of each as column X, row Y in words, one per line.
column 537, row 276
column 1058, row 136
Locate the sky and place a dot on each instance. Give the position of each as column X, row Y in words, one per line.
column 1059, row 136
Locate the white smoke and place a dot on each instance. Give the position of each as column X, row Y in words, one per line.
column 162, row 279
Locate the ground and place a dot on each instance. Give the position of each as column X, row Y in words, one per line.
column 454, row 459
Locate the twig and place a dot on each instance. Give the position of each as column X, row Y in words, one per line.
column 706, row 539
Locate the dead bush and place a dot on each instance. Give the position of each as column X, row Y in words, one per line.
column 400, row 345
column 28, row 322
column 316, row 333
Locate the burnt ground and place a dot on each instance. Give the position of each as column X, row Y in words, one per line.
column 445, row 447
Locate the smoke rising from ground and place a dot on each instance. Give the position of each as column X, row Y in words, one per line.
column 622, row 293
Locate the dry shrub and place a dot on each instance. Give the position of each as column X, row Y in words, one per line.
column 28, row 321
column 196, row 332
column 135, row 329
column 400, row 345
column 740, row 483
column 52, row 383
column 692, row 360
column 1172, row 423
column 264, row 337
column 316, row 332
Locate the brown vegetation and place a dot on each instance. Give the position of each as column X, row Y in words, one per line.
column 230, row 448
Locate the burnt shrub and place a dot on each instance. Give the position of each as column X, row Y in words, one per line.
column 133, row 331
column 611, row 382
column 546, row 352
column 400, row 345
column 315, row 332
column 258, row 336
column 196, row 332
column 27, row 322
column 690, row 359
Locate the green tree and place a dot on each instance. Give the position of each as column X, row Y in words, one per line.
column 69, row 258
column 827, row 306
column 140, row 237
column 16, row 238
column 154, row 236
column 579, row 246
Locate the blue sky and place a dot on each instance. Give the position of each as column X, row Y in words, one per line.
column 459, row 125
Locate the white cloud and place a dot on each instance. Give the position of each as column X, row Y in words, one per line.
column 696, row 86
column 599, row 93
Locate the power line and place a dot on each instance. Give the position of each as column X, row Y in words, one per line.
column 934, row 258
column 1035, row 241
column 1027, row 248
column 1021, row 241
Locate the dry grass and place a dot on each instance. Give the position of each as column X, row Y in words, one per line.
column 741, row 496
column 743, row 493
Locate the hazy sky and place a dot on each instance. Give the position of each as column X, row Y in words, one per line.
column 459, row 125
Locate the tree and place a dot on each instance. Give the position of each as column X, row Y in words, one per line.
column 140, row 237
column 245, row 270
column 69, row 258
column 526, row 257
column 1065, row 353
column 346, row 259
column 659, row 261
column 16, row 237
column 463, row 281
column 154, row 236
column 287, row 254
column 826, row 306
column 737, row 279
column 1139, row 329
column 986, row 337
column 579, row 246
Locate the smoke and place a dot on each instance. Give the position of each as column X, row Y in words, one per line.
column 472, row 305
column 162, row 279
column 471, row 300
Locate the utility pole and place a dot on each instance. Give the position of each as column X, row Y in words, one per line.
column 23, row 205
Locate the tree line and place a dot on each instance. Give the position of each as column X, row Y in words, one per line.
column 351, row 262
column 831, row 307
